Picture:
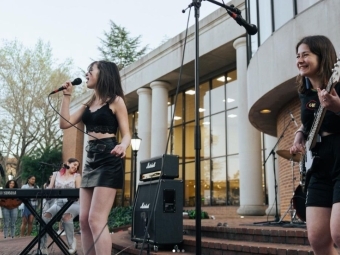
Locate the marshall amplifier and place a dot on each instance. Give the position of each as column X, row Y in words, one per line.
column 164, row 167
column 158, row 217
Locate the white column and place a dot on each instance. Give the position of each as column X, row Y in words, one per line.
column 270, row 142
column 251, row 195
column 159, row 122
column 144, row 126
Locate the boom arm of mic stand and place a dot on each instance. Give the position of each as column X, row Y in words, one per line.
column 230, row 8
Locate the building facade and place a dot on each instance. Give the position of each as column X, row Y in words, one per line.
column 240, row 78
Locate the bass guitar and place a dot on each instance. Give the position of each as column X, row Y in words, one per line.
column 309, row 159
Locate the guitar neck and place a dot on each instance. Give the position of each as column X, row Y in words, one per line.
column 311, row 140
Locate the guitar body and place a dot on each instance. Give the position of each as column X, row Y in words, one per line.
column 307, row 167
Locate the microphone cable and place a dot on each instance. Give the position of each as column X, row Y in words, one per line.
column 74, row 125
column 169, row 136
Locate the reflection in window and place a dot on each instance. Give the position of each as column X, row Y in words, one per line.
column 232, row 131
column 231, row 90
column 217, row 93
column 233, row 181
column 218, row 141
column 178, row 117
column 219, row 181
column 205, row 137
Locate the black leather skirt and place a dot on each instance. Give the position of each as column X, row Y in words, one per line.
column 102, row 169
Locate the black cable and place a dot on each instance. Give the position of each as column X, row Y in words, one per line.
column 169, row 136
column 73, row 125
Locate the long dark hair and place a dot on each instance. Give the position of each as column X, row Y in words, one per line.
column 322, row 47
column 15, row 184
column 109, row 84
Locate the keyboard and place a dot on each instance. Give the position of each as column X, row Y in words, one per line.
column 39, row 193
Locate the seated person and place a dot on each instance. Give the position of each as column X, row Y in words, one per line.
column 66, row 178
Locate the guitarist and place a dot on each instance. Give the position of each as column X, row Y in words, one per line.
column 315, row 58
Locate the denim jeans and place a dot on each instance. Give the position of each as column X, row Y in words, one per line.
column 10, row 217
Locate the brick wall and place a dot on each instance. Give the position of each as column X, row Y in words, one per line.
column 286, row 167
column 73, row 144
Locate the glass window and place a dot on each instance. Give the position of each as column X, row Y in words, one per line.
column 219, row 181
column 189, row 184
column 204, row 108
column 205, row 137
column 177, row 139
column 217, row 95
column 303, row 5
column 205, row 182
column 233, row 180
column 232, row 132
column 265, row 14
column 231, row 90
column 189, row 141
column 283, row 11
column 218, row 141
column 178, row 118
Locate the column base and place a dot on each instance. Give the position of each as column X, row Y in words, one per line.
column 251, row 210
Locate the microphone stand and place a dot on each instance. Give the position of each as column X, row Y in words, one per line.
column 197, row 138
column 272, row 153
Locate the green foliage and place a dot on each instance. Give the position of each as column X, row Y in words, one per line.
column 192, row 214
column 120, row 216
column 31, row 165
column 119, row 47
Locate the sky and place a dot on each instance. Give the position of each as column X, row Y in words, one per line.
column 73, row 27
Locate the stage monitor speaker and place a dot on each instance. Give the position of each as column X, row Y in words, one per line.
column 166, row 221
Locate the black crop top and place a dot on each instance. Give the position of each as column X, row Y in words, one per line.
column 309, row 106
column 100, row 121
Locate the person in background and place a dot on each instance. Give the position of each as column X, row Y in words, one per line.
column 27, row 216
column 66, row 178
column 315, row 59
column 9, row 208
column 103, row 172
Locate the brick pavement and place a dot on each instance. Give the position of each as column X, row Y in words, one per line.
column 16, row 245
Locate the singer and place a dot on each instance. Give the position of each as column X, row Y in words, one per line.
column 315, row 58
column 103, row 172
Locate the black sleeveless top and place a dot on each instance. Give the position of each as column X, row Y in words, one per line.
column 100, row 121
column 309, row 106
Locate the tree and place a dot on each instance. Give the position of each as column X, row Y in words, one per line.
column 119, row 47
column 26, row 78
column 32, row 165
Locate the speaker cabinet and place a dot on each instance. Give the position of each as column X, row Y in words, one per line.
column 165, row 214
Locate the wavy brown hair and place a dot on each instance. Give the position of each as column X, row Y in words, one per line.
column 322, row 47
column 109, row 84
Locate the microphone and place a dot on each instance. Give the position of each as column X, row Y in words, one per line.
column 76, row 81
column 291, row 115
column 250, row 28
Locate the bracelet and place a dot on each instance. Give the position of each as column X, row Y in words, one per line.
column 67, row 94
